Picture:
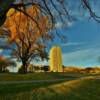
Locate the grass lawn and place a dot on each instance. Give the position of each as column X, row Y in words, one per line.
column 40, row 76
column 34, row 76
column 82, row 89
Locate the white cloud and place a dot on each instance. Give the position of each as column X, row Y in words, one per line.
column 58, row 25
column 69, row 24
column 61, row 24
column 86, row 56
column 73, row 43
column 1, row 50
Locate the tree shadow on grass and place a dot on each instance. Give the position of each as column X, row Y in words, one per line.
column 23, row 87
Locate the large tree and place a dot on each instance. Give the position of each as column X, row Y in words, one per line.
column 27, row 35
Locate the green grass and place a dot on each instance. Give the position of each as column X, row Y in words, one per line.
column 40, row 76
column 12, row 89
column 33, row 76
column 83, row 89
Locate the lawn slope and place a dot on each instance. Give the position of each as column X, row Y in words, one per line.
column 82, row 89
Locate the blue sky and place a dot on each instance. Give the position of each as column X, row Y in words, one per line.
column 83, row 45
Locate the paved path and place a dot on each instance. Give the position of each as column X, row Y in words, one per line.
column 37, row 81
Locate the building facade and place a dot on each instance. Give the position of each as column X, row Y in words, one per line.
column 56, row 59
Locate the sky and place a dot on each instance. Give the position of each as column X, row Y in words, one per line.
column 82, row 47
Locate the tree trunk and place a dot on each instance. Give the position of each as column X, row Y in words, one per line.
column 24, row 66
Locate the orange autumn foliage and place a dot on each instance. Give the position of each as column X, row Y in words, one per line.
column 24, row 27
column 27, row 33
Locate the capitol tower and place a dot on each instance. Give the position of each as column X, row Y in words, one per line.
column 56, row 59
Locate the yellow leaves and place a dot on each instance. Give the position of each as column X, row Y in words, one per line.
column 23, row 27
column 13, row 29
column 34, row 11
column 43, row 23
column 13, row 35
column 22, row 23
column 16, row 24
column 10, row 12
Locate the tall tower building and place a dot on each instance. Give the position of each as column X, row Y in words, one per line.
column 56, row 59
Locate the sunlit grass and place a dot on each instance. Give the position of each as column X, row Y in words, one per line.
column 82, row 89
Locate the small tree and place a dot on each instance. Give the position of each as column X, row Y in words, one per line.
column 4, row 63
column 45, row 68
